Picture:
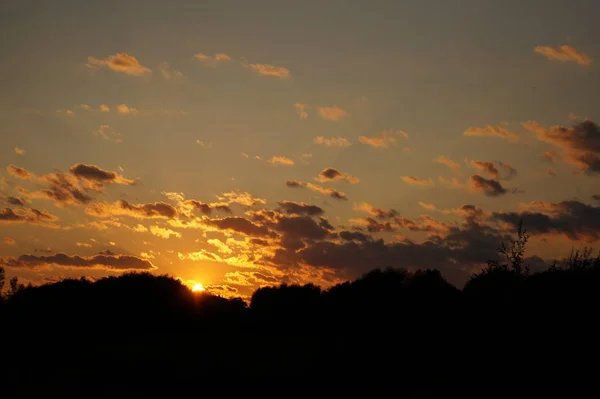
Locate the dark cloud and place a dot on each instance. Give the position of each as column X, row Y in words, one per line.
column 16, row 201
column 580, row 143
column 576, row 220
column 19, row 172
column 330, row 174
column 490, row 187
column 299, row 208
column 207, row 209
column 105, row 261
column 240, row 225
column 97, row 174
column 487, row 167
column 377, row 212
column 319, row 189
column 355, row 236
column 301, row 226
column 27, row 215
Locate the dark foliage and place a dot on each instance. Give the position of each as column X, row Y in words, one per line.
column 411, row 333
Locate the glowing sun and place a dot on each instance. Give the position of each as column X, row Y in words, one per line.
column 198, row 287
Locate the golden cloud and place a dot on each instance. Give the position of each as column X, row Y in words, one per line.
column 120, row 62
column 563, row 53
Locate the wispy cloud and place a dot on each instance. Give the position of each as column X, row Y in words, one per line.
column 563, row 53
column 269, row 70
column 277, row 160
column 490, row 187
column 497, row 131
column 417, row 181
column 212, row 60
column 383, row 139
column 19, row 151
column 333, row 113
column 332, row 141
column 443, row 160
column 125, row 109
column 105, row 260
column 331, row 174
column 107, row 133
column 301, row 110
column 316, row 188
column 170, row 74
column 120, row 62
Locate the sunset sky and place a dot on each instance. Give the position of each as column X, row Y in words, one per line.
column 238, row 144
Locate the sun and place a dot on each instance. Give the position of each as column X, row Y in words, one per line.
column 198, row 288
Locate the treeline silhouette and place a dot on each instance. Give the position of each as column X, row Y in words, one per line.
column 508, row 333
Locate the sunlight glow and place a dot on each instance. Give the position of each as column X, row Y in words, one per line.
column 198, row 288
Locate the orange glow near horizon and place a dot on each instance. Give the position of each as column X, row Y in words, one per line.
column 198, row 288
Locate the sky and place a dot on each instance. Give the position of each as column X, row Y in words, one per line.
column 239, row 144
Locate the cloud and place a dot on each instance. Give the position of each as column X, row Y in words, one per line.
column 551, row 172
column 120, row 62
column 580, row 143
column 319, row 189
column 16, row 201
column 280, row 161
column 300, row 208
column 242, row 198
column 83, row 244
column 9, row 241
column 107, row 133
column 417, row 181
column 301, row 110
column 126, row 110
column 19, row 172
column 269, row 70
column 104, row 108
column 563, row 53
column 163, row 232
column 490, row 187
column 97, row 175
column 332, row 141
column 333, row 113
column 497, row 131
column 377, row 212
column 102, row 261
column 27, row 215
column 19, row 151
column 331, row 174
column 487, row 167
column 447, row 161
column 212, row 60
column 550, row 156
column 576, row 220
column 207, row 209
column 239, row 225
column 383, row 139
column 156, row 210
column 170, row 74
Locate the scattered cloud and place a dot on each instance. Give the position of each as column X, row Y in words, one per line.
column 331, row 174
column 28, row 216
column 376, row 212
column 417, row 181
column 163, row 232
column 383, row 139
column 447, row 162
column 156, row 210
column 333, row 113
column 104, row 108
column 280, row 161
column 487, row 167
column 316, row 188
column 332, row 141
column 107, row 133
column 301, row 110
column 107, row 261
column 170, row 74
column 126, row 110
column 9, row 241
column 120, row 62
column 580, row 143
column 19, row 151
column 242, row 198
column 269, row 70
column 490, row 187
column 563, row 53
column 450, row 183
column 497, row 131
column 212, row 60
column 300, row 208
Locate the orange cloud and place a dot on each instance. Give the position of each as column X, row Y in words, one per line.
column 280, row 161
column 332, row 141
column 497, row 131
column 384, row 139
column 104, row 108
column 212, row 60
column 163, row 233
column 120, row 62
column 9, row 241
column 124, row 109
column 332, row 113
column 269, row 70
column 301, row 110
column 563, row 53
column 316, row 188
column 19, row 151
column 448, row 162
column 490, row 187
column 418, row 181
column 242, row 198
column 330, row 174
column 27, row 215
column 104, row 260
column 170, row 74
column 156, row 210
